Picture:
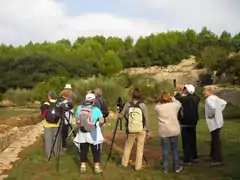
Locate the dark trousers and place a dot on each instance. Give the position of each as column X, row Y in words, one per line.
column 189, row 143
column 216, row 153
column 65, row 128
column 95, row 152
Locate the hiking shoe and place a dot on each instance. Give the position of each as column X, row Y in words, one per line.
column 164, row 171
column 121, row 166
column 97, row 170
column 216, row 164
column 179, row 170
column 83, row 169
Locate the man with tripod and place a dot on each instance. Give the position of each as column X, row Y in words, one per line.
column 51, row 124
column 137, row 128
column 64, row 99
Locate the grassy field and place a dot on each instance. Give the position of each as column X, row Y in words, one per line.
column 7, row 113
column 34, row 166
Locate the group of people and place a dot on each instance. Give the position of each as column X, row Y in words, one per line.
column 176, row 114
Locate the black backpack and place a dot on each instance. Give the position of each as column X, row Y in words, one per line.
column 103, row 108
column 53, row 113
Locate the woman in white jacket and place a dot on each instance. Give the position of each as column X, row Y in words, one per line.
column 169, row 129
column 214, row 118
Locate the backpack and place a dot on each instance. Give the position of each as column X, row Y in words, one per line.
column 85, row 121
column 53, row 113
column 103, row 108
column 135, row 118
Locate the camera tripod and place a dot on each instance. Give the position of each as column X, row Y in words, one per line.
column 58, row 138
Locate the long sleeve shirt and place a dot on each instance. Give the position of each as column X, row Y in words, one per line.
column 213, row 112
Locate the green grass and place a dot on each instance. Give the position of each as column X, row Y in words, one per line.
column 7, row 113
column 34, row 165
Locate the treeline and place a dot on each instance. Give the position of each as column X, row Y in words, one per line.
column 25, row 66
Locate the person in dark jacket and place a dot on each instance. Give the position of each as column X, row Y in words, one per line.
column 188, row 118
column 99, row 102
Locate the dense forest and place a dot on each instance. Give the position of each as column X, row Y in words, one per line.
column 25, row 66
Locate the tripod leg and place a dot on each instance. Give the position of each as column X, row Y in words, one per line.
column 59, row 146
column 56, row 137
column 120, row 124
column 114, row 134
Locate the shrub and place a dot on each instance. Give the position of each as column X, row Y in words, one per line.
column 41, row 89
column 205, row 79
column 154, row 89
column 111, row 89
column 19, row 97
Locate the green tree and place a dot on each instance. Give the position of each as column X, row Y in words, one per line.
column 211, row 56
column 110, row 64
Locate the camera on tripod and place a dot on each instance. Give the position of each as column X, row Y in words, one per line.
column 65, row 107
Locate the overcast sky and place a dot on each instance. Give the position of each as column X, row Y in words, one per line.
column 22, row 21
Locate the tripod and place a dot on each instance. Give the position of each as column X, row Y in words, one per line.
column 114, row 135
column 58, row 137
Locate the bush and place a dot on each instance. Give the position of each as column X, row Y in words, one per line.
column 110, row 87
column 41, row 89
column 20, row 97
column 154, row 89
column 205, row 79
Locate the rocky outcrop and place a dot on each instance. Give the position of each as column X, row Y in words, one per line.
column 22, row 120
column 28, row 137
column 184, row 72
column 8, row 135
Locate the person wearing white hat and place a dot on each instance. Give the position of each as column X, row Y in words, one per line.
column 91, row 138
column 188, row 120
column 67, row 95
column 68, row 86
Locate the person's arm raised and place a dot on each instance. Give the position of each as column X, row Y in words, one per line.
column 123, row 112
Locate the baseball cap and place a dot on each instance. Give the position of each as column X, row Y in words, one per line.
column 68, row 86
column 90, row 97
column 190, row 88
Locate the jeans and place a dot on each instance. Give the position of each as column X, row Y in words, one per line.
column 189, row 143
column 174, row 149
column 216, row 153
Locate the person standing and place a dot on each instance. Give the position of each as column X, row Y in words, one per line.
column 137, row 128
column 214, row 118
column 92, row 138
column 169, row 129
column 68, row 119
column 188, row 120
column 72, row 97
column 51, row 125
